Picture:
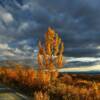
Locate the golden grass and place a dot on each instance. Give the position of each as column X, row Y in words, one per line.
column 41, row 86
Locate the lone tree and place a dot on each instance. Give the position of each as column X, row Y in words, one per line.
column 50, row 54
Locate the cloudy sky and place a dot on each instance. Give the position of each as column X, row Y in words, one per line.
column 24, row 22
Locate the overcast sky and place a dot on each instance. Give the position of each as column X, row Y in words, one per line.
column 24, row 22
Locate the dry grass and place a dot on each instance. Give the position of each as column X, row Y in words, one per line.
column 41, row 96
column 42, row 86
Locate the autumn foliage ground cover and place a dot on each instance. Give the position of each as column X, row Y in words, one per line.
column 39, row 86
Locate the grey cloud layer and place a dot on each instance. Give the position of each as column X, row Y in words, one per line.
column 77, row 20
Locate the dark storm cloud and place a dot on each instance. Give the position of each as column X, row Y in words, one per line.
column 78, row 21
column 80, row 52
